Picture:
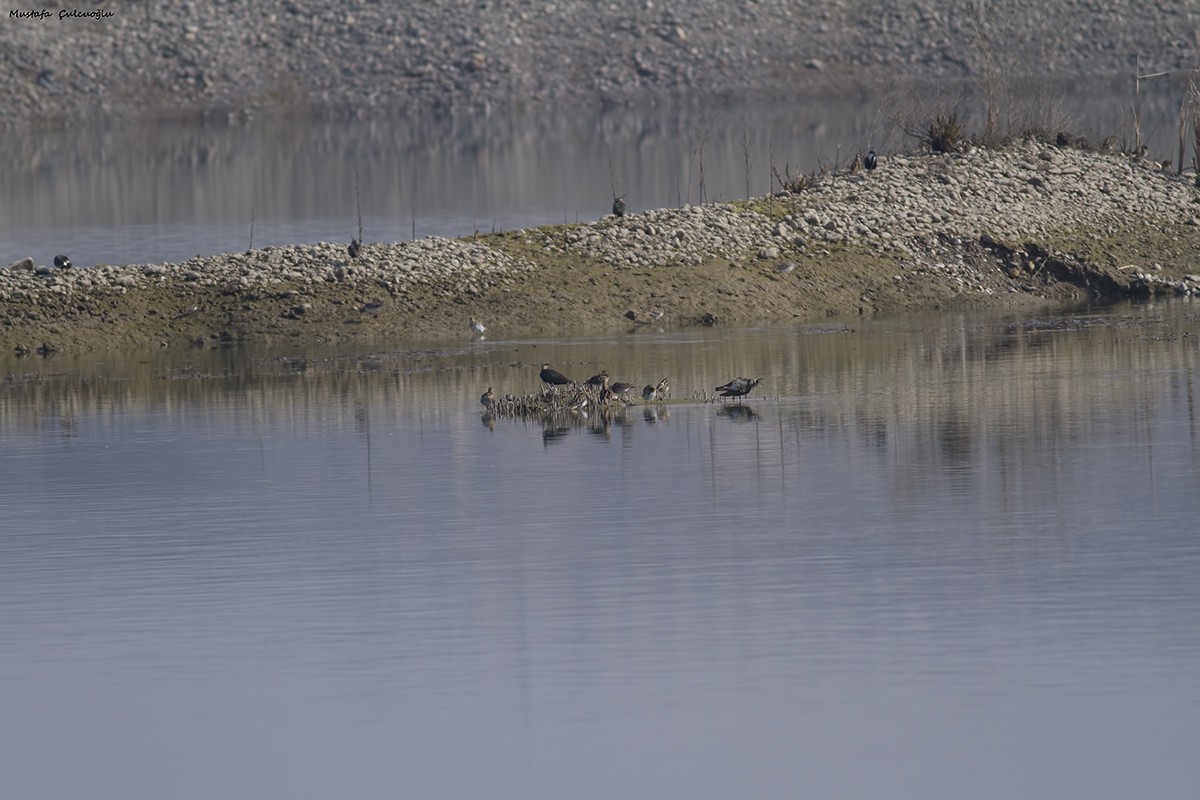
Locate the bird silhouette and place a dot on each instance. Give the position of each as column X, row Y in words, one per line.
column 738, row 387
column 355, row 248
column 553, row 376
column 870, row 162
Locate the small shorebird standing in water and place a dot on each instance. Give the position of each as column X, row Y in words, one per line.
column 622, row 389
column 649, row 393
column 553, row 376
column 478, row 326
column 488, row 399
column 598, row 379
column 738, row 387
column 663, row 388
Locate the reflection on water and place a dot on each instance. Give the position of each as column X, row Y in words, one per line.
column 166, row 193
column 952, row 544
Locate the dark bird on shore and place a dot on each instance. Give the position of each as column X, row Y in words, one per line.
column 553, row 376
column 649, row 393
column 870, row 162
column 62, row 262
column 598, row 379
column 488, row 400
column 619, row 206
column 738, row 387
column 355, row 248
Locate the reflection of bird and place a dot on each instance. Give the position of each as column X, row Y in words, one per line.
column 619, row 206
column 355, row 248
column 870, row 162
column 62, row 262
column 477, row 326
column 649, row 393
column 738, row 387
column 488, row 400
column 553, row 376
column 597, row 379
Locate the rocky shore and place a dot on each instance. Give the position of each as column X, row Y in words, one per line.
column 129, row 59
column 1031, row 224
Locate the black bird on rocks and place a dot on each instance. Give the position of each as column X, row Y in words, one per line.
column 619, row 206
column 62, row 262
column 870, row 162
column 738, row 387
column 355, row 248
column 553, row 376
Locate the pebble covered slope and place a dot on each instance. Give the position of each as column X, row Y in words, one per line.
column 151, row 58
column 1031, row 223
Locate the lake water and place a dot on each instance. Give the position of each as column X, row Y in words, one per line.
column 939, row 557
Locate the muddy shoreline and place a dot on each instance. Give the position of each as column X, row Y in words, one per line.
column 1027, row 226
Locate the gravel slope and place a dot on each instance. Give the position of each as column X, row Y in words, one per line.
column 1029, row 225
column 154, row 58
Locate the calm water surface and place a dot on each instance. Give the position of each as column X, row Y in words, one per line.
column 939, row 558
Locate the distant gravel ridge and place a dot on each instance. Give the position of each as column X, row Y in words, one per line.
column 1031, row 222
column 152, row 58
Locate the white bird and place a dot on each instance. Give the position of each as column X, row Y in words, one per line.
column 478, row 326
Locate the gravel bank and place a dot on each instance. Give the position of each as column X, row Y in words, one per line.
column 155, row 58
column 1027, row 225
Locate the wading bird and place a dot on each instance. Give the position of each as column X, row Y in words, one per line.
column 649, row 393
column 478, row 326
column 553, row 376
column 488, row 400
column 738, row 387
column 621, row 389
column 598, row 379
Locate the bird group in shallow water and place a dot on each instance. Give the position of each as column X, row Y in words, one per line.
column 560, row 393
